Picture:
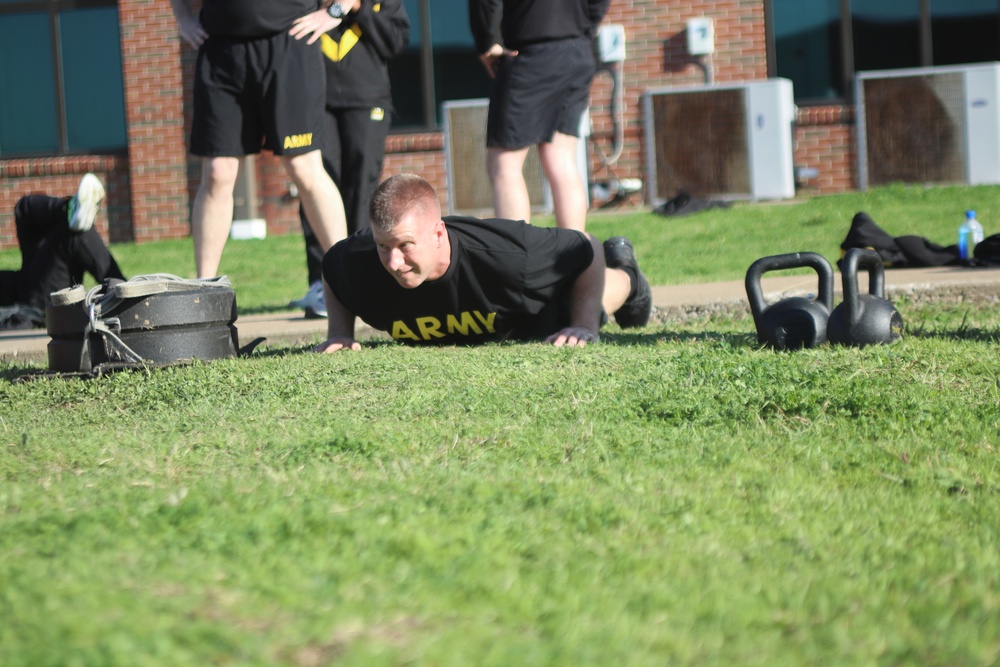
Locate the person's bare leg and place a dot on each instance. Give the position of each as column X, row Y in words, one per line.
column 212, row 213
column 510, row 191
column 569, row 198
column 320, row 197
column 617, row 286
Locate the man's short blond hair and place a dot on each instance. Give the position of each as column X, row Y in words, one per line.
column 397, row 196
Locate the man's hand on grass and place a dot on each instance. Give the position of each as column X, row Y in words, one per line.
column 338, row 343
column 573, row 337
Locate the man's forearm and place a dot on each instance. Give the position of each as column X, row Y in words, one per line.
column 483, row 21
column 588, row 290
column 339, row 320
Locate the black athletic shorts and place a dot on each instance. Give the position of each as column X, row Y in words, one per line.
column 250, row 93
column 543, row 90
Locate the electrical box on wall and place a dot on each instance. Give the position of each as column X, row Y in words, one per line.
column 611, row 43
column 700, row 36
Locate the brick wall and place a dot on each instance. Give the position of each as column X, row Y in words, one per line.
column 656, row 57
column 150, row 189
column 825, row 141
column 154, row 104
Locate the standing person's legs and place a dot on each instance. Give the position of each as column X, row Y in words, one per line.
column 225, row 127
column 353, row 154
column 212, row 213
column 314, row 254
column 508, row 138
column 559, row 155
column 510, row 191
column 293, row 108
column 320, row 197
column 569, row 197
column 538, row 99
column 363, row 135
column 331, row 154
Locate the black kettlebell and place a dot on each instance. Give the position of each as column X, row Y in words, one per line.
column 864, row 319
column 795, row 322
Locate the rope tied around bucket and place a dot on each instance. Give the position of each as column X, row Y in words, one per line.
column 108, row 329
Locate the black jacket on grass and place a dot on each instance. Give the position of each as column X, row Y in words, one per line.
column 897, row 252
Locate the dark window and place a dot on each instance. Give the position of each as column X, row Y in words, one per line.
column 965, row 31
column 807, row 38
column 440, row 64
column 821, row 44
column 61, row 86
column 886, row 34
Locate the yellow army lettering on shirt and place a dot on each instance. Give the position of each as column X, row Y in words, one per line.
column 299, row 140
column 467, row 323
column 337, row 51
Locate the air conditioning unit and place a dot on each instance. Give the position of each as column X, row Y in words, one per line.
column 721, row 141
column 929, row 125
column 469, row 188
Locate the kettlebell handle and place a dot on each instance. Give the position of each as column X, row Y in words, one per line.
column 854, row 259
column 792, row 260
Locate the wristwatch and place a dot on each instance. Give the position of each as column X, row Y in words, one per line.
column 336, row 10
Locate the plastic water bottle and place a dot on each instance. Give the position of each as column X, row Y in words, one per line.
column 969, row 234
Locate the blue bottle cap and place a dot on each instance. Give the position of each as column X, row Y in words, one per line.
column 970, row 215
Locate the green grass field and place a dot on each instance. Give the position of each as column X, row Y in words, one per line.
column 671, row 496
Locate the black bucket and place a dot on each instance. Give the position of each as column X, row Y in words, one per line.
column 171, row 326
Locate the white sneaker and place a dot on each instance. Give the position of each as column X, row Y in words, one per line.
column 83, row 206
column 313, row 302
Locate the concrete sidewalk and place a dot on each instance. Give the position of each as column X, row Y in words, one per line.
column 671, row 303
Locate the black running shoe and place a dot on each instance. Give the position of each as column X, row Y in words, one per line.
column 635, row 312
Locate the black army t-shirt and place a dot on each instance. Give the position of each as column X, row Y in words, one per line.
column 507, row 280
column 252, row 18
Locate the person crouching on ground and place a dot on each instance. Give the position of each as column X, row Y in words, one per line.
column 58, row 245
column 428, row 280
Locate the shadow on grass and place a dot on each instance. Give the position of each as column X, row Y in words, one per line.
column 975, row 334
column 279, row 349
column 12, row 372
column 620, row 339
column 660, row 337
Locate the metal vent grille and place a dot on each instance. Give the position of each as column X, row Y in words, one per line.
column 730, row 141
column 914, row 128
column 469, row 189
column 929, row 125
column 699, row 142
